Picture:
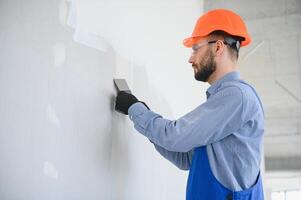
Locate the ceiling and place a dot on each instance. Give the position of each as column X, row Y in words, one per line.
column 272, row 64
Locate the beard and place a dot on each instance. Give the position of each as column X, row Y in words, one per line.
column 205, row 67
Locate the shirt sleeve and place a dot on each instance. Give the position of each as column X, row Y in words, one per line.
column 210, row 122
column 180, row 159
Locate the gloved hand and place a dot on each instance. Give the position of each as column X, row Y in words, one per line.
column 124, row 101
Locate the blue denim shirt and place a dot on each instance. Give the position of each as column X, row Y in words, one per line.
column 230, row 124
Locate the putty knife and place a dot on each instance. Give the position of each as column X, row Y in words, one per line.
column 121, row 85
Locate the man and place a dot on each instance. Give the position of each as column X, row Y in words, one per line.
column 220, row 141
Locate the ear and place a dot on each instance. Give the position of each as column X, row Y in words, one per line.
column 219, row 48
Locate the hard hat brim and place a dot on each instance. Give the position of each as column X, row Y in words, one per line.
column 189, row 42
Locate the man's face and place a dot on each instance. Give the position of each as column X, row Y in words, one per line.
column 203, row 63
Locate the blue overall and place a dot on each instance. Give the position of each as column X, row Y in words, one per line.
column 202, row 185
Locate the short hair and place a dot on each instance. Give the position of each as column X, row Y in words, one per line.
column 233, row 42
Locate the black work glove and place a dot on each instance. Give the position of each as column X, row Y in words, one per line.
column 124, row 101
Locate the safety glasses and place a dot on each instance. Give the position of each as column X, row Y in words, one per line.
column 196, row 47
column 228, row 41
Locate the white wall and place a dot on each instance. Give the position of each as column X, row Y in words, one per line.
column 59, row 135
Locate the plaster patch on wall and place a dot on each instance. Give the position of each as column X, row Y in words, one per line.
column 59, row 54
column 63, row 10
column 140, row 31
column 50, row 170
column 71, row 19
column 52, row 116
column 83, row 36
column 90, row 40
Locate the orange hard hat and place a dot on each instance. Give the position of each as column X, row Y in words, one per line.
column 218, row 19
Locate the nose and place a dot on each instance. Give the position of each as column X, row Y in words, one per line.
column 191, row 59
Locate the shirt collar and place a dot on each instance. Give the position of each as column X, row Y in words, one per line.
column 231, row 76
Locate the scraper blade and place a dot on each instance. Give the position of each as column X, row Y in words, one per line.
column 121, row 85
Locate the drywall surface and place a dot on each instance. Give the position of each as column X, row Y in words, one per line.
column 59, row 135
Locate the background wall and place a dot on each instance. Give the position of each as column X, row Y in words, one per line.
column 59, row 135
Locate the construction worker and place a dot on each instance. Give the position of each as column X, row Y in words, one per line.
column 220, row 141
